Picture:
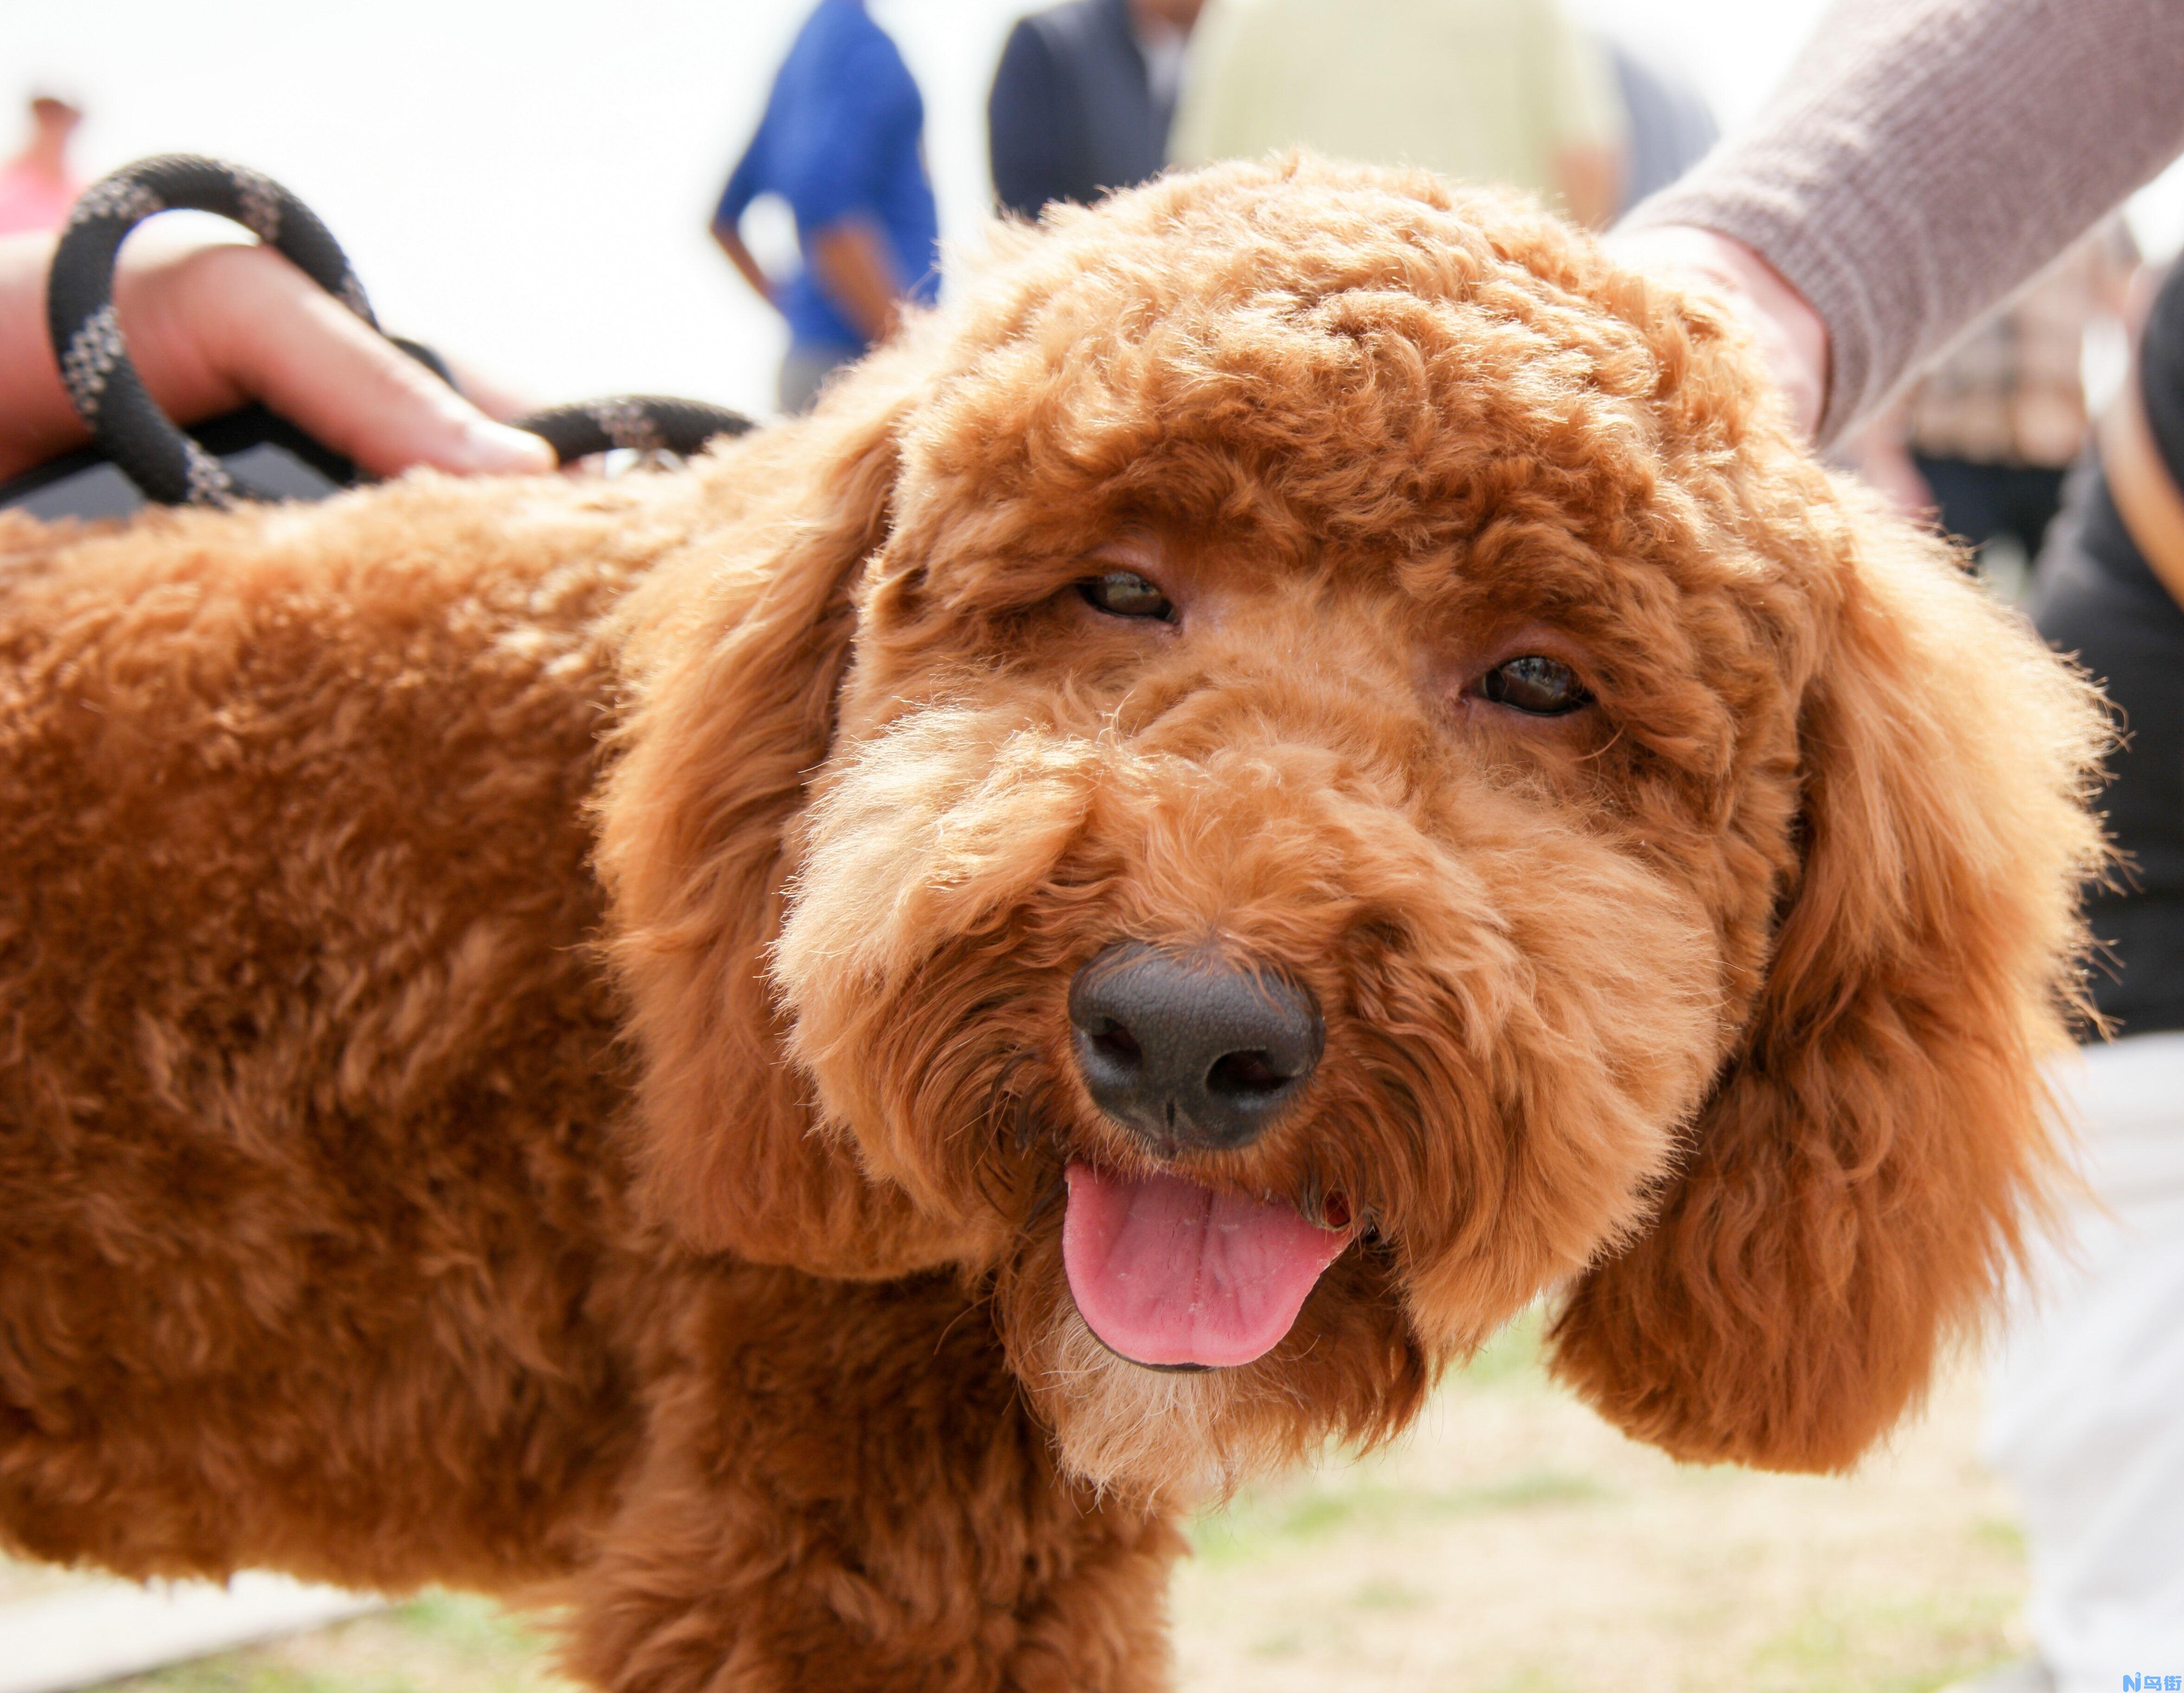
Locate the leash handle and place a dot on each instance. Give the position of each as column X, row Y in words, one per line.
column 145, row 444
column 96, row 368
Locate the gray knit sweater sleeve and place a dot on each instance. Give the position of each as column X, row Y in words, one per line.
column 1926, row 157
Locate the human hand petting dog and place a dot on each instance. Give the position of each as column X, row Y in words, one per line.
column 1792, row 337
column 215, row 324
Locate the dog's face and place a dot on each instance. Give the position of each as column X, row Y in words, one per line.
column 1319, row 748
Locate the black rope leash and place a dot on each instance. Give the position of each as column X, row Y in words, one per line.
column 644, row 423
column 166, row 464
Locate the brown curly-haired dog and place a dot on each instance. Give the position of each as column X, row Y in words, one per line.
column 796, row 1052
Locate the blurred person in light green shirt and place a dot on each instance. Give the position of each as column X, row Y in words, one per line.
column 1511, row 92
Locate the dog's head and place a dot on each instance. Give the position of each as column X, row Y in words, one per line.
column 1308, row 763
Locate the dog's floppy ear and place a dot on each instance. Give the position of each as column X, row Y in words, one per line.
column 732, row 651
column 1863, row 1170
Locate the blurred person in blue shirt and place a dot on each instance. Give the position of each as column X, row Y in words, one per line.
column 841, row 141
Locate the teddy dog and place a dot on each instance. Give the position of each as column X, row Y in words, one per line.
column 797, row 1054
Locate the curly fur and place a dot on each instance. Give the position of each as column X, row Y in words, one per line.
column 532, row 1049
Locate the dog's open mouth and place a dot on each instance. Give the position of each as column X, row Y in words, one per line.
column 1168, row 1273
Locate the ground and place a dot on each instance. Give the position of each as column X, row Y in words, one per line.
column 1512, row 1544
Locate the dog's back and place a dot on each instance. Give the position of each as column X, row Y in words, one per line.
column 307, row 1079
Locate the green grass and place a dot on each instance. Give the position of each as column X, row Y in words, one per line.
column 1389, row 1596
column 1513, row 1358
column 1911, row 1646
column 1262, row 1521
column 441, row 1643
column 1256, row 1525
column 246, row 1672
column 464, row 1623
column 1532, row 1680
column 2003, row 1534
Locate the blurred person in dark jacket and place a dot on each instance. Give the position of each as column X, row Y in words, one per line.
column 1083, row 99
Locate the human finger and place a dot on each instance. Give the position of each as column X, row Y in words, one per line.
column 222, row 325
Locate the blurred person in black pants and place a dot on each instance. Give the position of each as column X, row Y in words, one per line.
column 1982, row 440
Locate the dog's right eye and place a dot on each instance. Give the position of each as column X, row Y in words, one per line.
column 1125, row 593
column 1538, row 686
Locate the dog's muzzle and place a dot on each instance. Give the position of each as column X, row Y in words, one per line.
column 1191, row 1052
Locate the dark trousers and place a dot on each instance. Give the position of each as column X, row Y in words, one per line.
column 1979, row 501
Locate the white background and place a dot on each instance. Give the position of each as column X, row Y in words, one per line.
column 529, row 186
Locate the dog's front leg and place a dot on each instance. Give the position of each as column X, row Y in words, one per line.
column 843, row 1490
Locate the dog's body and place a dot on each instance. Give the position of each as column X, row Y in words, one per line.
column 536, row 1021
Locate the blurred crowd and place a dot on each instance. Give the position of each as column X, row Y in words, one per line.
column 37, row 184
column 1091, row 96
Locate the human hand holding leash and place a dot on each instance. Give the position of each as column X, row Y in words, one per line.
column 286, row 323
column 213, row 325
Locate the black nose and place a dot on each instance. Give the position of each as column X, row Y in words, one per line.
column 1191, row 1051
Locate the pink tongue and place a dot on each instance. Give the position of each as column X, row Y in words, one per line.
column 1169, row 1272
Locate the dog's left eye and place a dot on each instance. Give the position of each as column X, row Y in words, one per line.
column 1125, row 593
column 1541, row 686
